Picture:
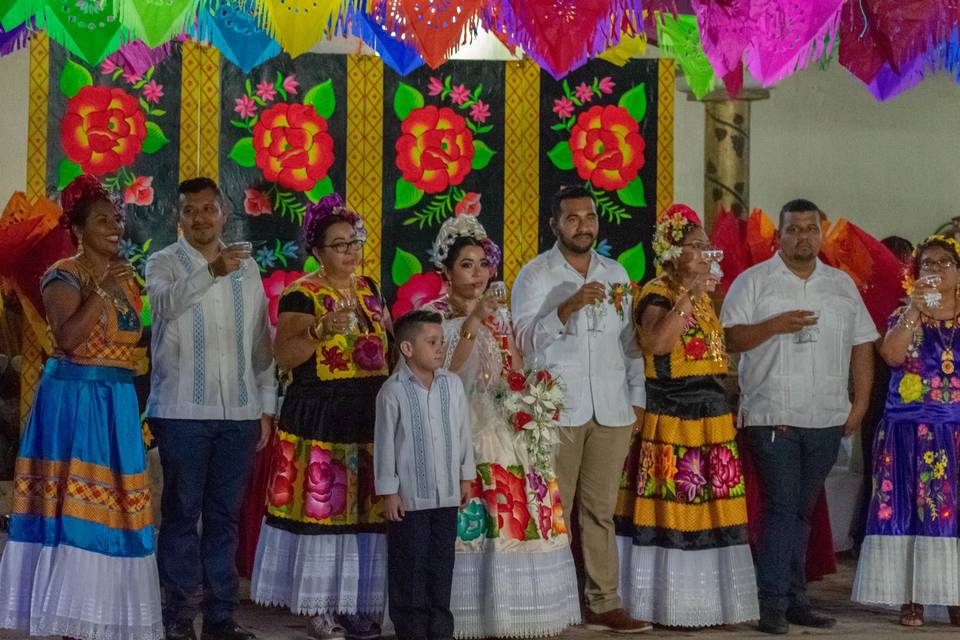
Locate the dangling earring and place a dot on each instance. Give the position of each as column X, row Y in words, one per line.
column 321, row 270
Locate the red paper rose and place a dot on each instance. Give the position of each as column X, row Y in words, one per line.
column 468, row 206
column 543, row 376
column 368, row 353
column 140, row 192
column 696, row 348
column 418, row 291
column 435, row 149
column 292, row 146
column 520, row 420
column 274, row 287
column 256, row 203
column 103, row 129
column 606, row 146
column 517, row 381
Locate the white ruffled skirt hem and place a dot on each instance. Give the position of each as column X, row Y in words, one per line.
column 896, row 569
column 677, row 588
column 502, row 594
column 313, row 574
column 67, row 591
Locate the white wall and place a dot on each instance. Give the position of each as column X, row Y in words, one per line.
column 892, row 168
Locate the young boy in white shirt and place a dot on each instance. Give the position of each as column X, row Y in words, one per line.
column 423, row 467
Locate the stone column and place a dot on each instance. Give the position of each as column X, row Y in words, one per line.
column 726, row 152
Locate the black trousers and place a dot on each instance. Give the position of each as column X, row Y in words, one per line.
column 420, row 556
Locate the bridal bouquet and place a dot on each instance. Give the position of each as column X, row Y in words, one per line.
column 533, row 402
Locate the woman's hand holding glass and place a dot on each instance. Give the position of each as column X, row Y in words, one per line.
column 497, row 291
column 341, row 319
column 926, row 294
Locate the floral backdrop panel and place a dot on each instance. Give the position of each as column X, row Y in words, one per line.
column 125, row 129
column 443, row 156
column 598, row 129
column 282, row 147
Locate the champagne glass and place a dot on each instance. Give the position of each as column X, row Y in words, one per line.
column 810, row 333
column 349, row 306
column 932, row 298
column 246, row 247
column 595, row 315
column 498, row 291
column 712, row 255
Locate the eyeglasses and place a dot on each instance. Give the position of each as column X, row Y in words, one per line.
column 937, row 265
column 343, row 247
column 696, row 246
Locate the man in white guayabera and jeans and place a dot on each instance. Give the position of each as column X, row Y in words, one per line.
column 564, row 320
column 803, row 331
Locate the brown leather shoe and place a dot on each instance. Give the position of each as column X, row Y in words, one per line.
column 617, row 621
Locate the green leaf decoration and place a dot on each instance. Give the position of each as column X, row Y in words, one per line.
column 407, row 195
column 73, row 78
column 633, row 194
column 405, row 266
column 560, row 156
column 67, row 172
column 310, row 264
column 634, row 260
column 321, row 188
column 243, row 153
column 405, row 100
column 635, row 102
column 482, row 154
column 146, row 318
column 323, row 99
column 156, row 140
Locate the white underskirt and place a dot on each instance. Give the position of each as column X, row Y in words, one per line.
column 894, row 570
column 500, row 594
column 314, row 574
column 678, row 588
column 66, row 591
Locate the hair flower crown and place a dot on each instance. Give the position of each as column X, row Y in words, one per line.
column 453, row 228
column 675, row 223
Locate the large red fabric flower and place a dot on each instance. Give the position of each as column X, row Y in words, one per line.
column 325, row 485
column 419, row 290
column 274, row 287
column 284, row 473
column 435, row 149
column 103, row 129
column 508, row 499
column 607, row 147
column 292, row 145
column 724, row 471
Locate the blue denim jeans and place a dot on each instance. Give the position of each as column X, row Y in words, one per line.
column 206, row 464
column 792, row 464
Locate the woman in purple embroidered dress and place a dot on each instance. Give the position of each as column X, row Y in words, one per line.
column 911, row 554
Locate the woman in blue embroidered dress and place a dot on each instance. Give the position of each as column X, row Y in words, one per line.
column 514, row 575
column 80, row 558
column 911, row 553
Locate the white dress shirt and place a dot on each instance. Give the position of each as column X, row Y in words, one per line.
column 211, row 350
column 783, row 382
column 422, row 447
column 602, row 371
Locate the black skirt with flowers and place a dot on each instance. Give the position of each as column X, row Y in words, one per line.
column 321, row 476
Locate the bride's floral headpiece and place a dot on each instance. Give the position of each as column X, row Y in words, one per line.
column 460, row 227
column 675, row 223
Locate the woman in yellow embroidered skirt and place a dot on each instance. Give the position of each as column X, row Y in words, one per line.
column 322, row 547
column 683, row 536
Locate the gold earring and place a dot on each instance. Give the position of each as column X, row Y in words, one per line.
column 321, row 270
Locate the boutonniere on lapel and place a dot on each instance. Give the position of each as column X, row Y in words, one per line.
column 619, row 291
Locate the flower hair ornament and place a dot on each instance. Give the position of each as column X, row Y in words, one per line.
column 81, row 191
column 912, row 273
column 675, row 223
column 329, row 206
column 459, row 227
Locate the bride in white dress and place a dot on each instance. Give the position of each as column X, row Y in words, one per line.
column 514, row 574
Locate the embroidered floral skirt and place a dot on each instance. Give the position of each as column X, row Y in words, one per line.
column 80, row 557
column 322, row 546
column 514, row 575
column 682, row 515
column 912, row 549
